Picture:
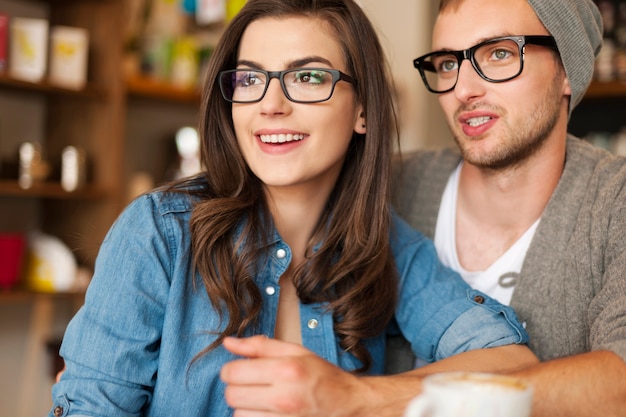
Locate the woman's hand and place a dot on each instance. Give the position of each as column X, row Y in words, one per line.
column 285, row 379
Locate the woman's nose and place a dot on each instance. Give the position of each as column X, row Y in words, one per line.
column 274, row 101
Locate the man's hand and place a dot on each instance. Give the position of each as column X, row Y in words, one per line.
column 285, row 379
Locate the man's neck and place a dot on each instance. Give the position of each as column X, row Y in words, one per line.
column 495, row 207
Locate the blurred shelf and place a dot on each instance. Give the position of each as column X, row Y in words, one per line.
column 154, row 89
column 599, row 90
column 10, row 188
column 90, row 91
column 22, row 295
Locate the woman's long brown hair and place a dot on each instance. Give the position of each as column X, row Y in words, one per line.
column 352, row 272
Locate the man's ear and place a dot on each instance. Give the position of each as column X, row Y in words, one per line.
column 567, row 89
column 567, row 93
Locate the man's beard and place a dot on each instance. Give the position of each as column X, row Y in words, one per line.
column 518, row 143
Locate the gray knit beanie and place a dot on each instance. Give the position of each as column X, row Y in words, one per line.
column 576, row 25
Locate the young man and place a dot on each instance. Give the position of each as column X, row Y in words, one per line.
column 526, row 213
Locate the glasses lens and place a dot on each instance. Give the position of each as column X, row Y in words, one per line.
column 499, row 60
column 242, row 86
column 309, row 85
column 440, row 70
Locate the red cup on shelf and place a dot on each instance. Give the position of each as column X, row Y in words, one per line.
column 11, row 258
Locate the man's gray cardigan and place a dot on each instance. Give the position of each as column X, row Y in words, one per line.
column 571, row 293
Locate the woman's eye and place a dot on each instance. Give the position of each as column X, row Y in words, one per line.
column 310, row 77
column 248, row 79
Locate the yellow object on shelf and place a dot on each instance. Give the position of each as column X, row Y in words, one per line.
column 50, row 265
column 233, row 7
column 184, row 62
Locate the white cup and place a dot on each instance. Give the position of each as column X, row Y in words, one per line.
column 471, row 394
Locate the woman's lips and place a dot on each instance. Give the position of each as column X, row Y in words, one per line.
column 281, row 138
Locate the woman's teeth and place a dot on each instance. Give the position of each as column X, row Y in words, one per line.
column 281, row 138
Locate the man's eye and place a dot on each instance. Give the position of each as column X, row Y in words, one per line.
column 447, row 66
column 500, row 54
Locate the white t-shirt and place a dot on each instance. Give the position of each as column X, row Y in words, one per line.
column 499, row 280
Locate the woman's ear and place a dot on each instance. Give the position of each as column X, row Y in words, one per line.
column 360, row 126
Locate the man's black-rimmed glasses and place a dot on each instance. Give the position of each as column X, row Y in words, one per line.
column 300, row 85
column 495, row 60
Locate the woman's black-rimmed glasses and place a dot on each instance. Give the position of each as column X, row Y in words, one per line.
column 300, row 85
column 495, row 60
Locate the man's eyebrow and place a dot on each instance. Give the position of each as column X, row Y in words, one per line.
column 479, row 41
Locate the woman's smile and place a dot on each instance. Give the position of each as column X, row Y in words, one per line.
column 281, row 137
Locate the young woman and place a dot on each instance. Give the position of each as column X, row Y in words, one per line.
column 287, row 232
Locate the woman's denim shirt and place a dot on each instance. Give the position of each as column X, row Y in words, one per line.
column 129, row 349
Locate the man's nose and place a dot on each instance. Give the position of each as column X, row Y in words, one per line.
column 469, row 83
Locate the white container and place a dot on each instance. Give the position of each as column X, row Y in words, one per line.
column 68, row 56
column 33, row 167
column 73, row 168
column 28, row 48
column 210, row 11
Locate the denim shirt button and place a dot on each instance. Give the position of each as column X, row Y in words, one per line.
column 281, row 253
column 58, row 411
column 479, row 299
column 312, row 324
column 269, row 290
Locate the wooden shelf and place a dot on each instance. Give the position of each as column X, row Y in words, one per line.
column 93, row 119
column 9, row 188
column 154, row 89
column 21, row 295
column 90, row 91
column 598, row 90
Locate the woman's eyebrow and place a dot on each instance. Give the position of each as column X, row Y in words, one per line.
column 301, row 62
column 251, row 64
column 307, row 60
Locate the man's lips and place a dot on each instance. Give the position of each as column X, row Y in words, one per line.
column 477, row 121
column 475, row 124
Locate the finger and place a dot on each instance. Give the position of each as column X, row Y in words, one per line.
column 60, row 373
column 255, row 413
column 262, row 346
column 268, row 371
column 247, row 398
column 265, row 399
column 250, row 371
